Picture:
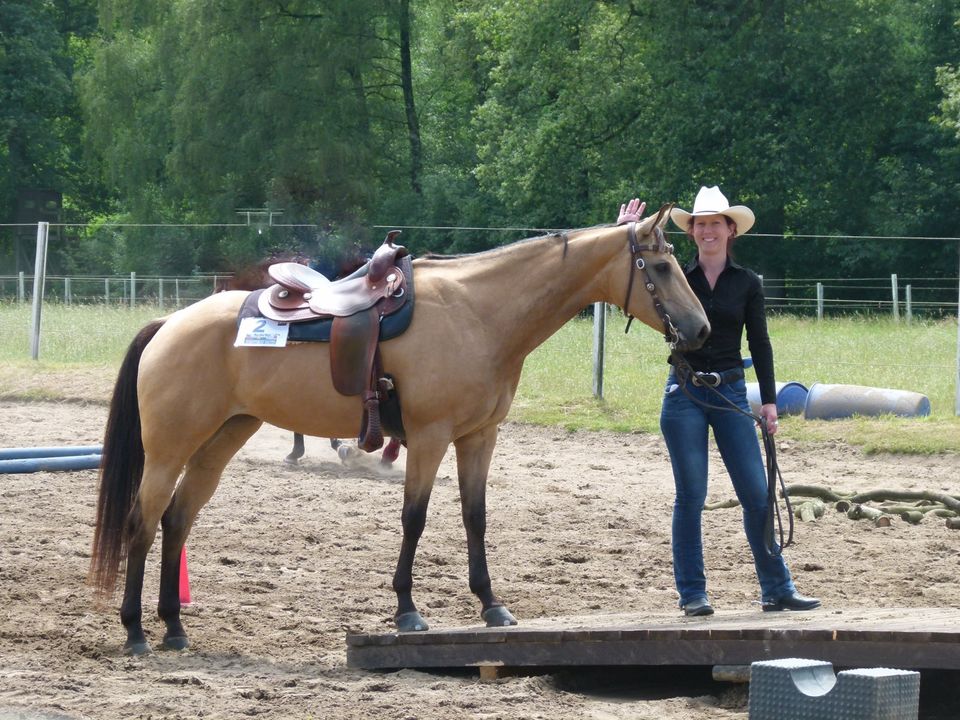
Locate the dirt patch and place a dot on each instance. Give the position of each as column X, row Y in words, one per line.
column 284, row 561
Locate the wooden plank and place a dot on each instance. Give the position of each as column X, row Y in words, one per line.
column 900, row 638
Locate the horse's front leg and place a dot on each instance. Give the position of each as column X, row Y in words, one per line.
column 422, row 464
column 474, row 453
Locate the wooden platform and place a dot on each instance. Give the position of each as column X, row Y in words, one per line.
column 910, row 638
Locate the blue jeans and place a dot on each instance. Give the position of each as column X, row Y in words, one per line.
column 685, row 427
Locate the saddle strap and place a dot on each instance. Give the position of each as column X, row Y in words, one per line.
column 371, row 432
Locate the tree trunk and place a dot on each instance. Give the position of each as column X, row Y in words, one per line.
column 413, row 125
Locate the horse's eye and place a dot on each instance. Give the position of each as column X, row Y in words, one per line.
column 662, row 267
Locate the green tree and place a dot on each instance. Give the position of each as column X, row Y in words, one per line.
column 304, row 106
column 41, row 44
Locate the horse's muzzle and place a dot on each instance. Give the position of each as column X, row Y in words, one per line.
column 685, row 343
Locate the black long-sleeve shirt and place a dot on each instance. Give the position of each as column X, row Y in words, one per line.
column 735, row 302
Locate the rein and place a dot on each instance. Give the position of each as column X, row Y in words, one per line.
column 774, row 540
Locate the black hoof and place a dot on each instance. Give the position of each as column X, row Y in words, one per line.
column 498, row 616
column 179, row 642
column 411, row 622
column 137, row 649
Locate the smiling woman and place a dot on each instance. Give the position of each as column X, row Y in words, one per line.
column 701, row 380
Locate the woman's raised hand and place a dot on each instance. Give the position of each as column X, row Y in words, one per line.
column 631, row 211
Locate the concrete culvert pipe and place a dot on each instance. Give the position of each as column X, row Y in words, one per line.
column 830, row 402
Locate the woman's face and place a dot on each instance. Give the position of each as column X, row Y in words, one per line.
column 712, row 233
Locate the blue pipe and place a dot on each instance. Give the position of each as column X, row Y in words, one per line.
column 48, row 452
column 50, row 464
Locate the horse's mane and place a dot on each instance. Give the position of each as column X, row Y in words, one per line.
column 492, row 252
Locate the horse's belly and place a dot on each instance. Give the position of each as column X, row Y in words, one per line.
column 292, row 388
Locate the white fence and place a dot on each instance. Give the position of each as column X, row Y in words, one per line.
column 168, row 292
column 901, row 298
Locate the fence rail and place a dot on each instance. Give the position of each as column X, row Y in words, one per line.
column 917, row 297
column 165, row 292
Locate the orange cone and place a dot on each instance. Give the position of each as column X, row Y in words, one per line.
column 184, row 578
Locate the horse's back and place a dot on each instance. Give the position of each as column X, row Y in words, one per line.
column 192, row 371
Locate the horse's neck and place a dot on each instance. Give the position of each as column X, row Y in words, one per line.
column 528, row 290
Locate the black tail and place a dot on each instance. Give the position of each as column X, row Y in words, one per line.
column 121, row 469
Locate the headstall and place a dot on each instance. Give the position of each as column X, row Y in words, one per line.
column 670, row 332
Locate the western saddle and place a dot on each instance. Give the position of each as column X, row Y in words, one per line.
column 356, row 304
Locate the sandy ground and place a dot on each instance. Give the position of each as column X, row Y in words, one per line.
column 284, row 561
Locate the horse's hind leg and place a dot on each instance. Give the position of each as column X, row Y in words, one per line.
column 474, row 453
column 157, row 485
column 200, row 480
column 297, row 452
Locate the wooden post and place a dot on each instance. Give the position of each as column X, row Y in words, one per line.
column 160, row 293
column 21, row 288
column 133, row 290
column 599, row 331
column 39, row 280
column 956, row 401
column 908, row 292
column 896, row 296
column 819, row 301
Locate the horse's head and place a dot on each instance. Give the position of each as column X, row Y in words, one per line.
column 656, row 290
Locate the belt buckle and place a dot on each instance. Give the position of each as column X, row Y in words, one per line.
column 711, row 379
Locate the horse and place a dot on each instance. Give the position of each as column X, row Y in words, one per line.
column 186, row 400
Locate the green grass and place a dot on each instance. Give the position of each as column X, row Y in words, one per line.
column 82, row 346
column 76, row 334
column 556, row 388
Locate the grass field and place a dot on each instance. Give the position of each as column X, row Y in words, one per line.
column 557, row 384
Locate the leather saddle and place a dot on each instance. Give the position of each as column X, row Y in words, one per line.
column 356, row 304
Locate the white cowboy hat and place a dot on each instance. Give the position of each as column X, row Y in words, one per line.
column 710, row 201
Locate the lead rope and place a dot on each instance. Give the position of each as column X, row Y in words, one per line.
column 773, row 533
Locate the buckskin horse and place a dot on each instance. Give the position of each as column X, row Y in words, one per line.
column 186, row 400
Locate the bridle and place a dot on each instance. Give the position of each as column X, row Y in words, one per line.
column 670, row 332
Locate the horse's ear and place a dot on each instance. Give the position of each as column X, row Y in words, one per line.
column 663, row 214
column 647, row 225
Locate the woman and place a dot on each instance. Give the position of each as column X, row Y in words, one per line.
column 733, row 299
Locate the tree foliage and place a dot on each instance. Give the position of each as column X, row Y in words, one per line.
column 827, row 118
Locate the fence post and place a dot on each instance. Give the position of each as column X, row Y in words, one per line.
column 176, row 291
column 66, row 292
column 21, row 288
column 599, row 331
column 106, row 291
column 39, row 279
column 819, row 301
column 133, row 290
column 160, row 292
column 896, row 296
column 908, row 295
column 956, row 401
